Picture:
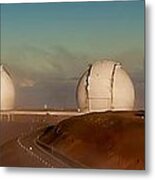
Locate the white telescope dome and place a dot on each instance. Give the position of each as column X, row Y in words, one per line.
column 105, row 86
column 7, row 90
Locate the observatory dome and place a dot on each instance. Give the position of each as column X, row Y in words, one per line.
column 105, row 85
column 7, row 90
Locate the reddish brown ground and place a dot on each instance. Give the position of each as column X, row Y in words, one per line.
column 11, row 155
column 112, row 140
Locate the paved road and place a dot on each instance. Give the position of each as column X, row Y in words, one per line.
column 17, row 146
column 24, row 151
column 27, row 143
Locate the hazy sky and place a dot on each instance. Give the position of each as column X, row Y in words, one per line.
column 47, row 46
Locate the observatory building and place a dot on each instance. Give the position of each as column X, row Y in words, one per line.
column 105, row 86
column 7, row 90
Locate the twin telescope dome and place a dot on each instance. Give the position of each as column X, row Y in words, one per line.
column 103, row 86
column 7, row 90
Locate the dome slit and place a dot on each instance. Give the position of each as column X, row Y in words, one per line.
column 112, row 83
column 87, row 84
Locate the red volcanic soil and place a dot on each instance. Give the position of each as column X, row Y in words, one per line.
column 17, row 124
column 11, row 154
column 110, row 140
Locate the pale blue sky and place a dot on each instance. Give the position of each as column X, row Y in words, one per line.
column 48, row 45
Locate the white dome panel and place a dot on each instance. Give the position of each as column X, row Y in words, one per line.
column 124, row 94
column 7, row 90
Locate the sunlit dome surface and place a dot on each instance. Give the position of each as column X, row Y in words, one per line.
column 105, row 85
column 7, row 90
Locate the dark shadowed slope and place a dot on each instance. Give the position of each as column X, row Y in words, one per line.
column 101, row 140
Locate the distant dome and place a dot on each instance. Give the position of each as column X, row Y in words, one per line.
column 105, row 86
column 7, row 90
